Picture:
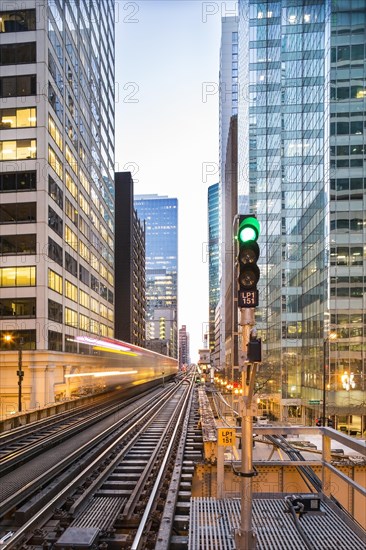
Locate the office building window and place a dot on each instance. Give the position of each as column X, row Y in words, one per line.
column 19, row 212
column 70, row 344
column 54, row 281
column 17, row 244
column 18, row 181
column 54, row 340
column 55, row 311
column 84, row 275
column 55, row 132
column 71, row 185
column 28, row 336
column 71, row 317
column 17, row 307
column 71, row 264
column 55, row 222
column 17, row 21
column 71, row 291
column 54, row 251
column 71, row 211
column 84, row 298
column 94, row 305
column 15, row 54
column 94, row 283
column 17, row 276
column 19, row 149
column 18, row 118
column 55, row 192
column 18, row 86
column 71, row 238
column 84, row 322
column 55, row 162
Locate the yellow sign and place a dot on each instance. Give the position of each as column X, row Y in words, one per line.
column 226, row 436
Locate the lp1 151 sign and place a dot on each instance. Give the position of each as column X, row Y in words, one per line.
column 226, row 436
column 248, row 298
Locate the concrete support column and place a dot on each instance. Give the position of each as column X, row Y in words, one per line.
column 38, row 386
column 50, row 383
column 67, row 370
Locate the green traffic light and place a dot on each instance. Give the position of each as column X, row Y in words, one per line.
column 249, row 229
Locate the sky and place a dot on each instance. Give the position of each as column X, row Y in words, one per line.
column 167, row 125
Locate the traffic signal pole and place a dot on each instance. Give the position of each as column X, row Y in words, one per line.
column 248, row 276
column 245, row 538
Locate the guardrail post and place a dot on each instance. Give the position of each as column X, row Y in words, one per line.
column 326, row 458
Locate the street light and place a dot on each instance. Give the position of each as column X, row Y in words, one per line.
column 331, row 336
column 20, row 373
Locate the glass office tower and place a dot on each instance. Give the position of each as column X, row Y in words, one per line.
column 57, row 172
column 302, row 112
column 213, row 259
column 161, row 226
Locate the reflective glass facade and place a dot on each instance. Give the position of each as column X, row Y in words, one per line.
column 213, row 258
column 299, row 107
column 161, row 218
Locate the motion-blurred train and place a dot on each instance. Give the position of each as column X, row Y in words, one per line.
column 113, row 362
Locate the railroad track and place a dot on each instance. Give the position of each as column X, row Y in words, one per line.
column 32, row 440
column 119, row 487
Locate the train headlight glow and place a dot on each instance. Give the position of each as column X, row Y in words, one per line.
column 100, row 374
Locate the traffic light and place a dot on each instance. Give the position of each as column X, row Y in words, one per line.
column 254, row 347
column 248, row 254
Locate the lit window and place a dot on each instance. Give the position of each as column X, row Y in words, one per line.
column 71, row 185
column 18, row 118
column 71, row 160
column 55, row 162
column 55, row 132
column 17, row 276
column 307, row 18
column 84, row 322
column 71, row 238
column 84, row 181
column 54, row 281
column 94, row 305
column 84, row 298
column 84, row 205
column 71, row 317
column 71, row 291
column 20, row 149
column 84, row 251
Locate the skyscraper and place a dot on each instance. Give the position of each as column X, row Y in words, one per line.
column 228, row 105
column 184, row 354
column 57, row 158
column 213, row 259
column 130, row 289
column 161, row 222
column 301, row 163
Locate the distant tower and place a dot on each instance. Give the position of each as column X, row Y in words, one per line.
column 130, row 285
column 161, row 225
column 184, row 353
column 213, row 259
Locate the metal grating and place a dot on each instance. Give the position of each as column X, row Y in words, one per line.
column 213, row 523
column 101, row 513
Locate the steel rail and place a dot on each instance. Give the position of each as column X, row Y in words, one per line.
column 31, row 449
column 8, row 504
column 140, row 531
column 47, row 510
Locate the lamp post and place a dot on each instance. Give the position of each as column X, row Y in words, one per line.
column 20, row 373
column 331, row 336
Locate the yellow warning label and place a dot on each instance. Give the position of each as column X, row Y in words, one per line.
column 226, row 437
